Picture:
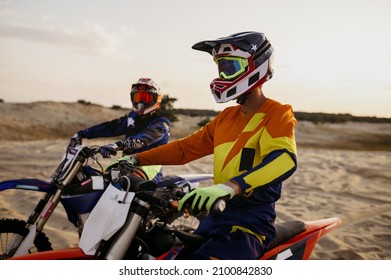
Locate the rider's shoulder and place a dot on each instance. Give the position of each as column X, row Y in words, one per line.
column 162, row 121
column 160, row 118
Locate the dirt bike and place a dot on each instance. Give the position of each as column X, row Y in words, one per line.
column 78, row 186
column 131, row 231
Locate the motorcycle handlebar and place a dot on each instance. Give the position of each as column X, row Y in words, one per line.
column 219, row 205
column 98, row 150
column 95, row 149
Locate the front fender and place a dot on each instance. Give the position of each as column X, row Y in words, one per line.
column 30, row 184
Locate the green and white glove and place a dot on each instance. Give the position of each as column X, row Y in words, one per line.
column 203, row 198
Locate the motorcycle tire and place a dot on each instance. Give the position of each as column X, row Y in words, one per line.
column 12, row 227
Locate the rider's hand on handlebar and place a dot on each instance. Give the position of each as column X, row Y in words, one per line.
column 203, row 198
column 108, row 150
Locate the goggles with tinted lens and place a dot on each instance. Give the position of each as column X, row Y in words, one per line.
column 142, row 93
column 231, row 67
column 142, row 96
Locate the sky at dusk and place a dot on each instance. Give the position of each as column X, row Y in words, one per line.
column 330, row 56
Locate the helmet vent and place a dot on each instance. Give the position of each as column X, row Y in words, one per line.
column 231, row 92
column 254, row 78
column 262, row 49
column 217, row 93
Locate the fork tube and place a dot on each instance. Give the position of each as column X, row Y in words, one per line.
column 72, row 173
column 39, row 208
column 48, row 211
column 122, row 241
column 52, row 204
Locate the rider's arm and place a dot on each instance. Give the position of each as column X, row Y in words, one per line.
column 277, row 167
column 156, row 133
column 181, row 151
column 111, row 128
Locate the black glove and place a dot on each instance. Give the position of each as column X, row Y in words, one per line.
column 110, row 149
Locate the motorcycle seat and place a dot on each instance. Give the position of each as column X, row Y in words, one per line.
column 286, row 231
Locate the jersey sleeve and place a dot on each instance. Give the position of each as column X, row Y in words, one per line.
column 184, row 150
column 156, row 133
column 111, row 128
column 278, row 148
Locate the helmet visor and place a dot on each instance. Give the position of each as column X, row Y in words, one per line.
column 231, row 67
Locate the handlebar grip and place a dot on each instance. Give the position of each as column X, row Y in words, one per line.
column 180, row 194
column 95, row 149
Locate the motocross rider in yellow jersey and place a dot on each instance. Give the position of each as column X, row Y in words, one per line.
column 254, row 151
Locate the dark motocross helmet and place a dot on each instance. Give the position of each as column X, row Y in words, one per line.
column 244, row 60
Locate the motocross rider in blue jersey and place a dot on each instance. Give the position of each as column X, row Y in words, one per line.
column 143, row 127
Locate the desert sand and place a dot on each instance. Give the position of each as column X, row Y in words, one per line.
column 343, row 170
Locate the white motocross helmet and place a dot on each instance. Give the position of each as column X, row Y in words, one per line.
column 244, row 60
column 146, row 96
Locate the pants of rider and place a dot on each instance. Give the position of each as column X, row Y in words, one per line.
column 234, row 246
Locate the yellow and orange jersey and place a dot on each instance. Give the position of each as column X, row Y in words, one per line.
column 253, row 150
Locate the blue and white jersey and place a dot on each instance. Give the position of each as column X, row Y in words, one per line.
column 141, row 132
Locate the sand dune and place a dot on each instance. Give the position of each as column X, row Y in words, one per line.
column 341, row 172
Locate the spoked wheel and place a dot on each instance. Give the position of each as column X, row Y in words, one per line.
column 11, row 229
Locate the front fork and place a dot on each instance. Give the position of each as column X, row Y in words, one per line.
column 118, row 248
column 44, row 210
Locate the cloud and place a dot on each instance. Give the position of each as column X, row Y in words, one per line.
column 92, row 39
